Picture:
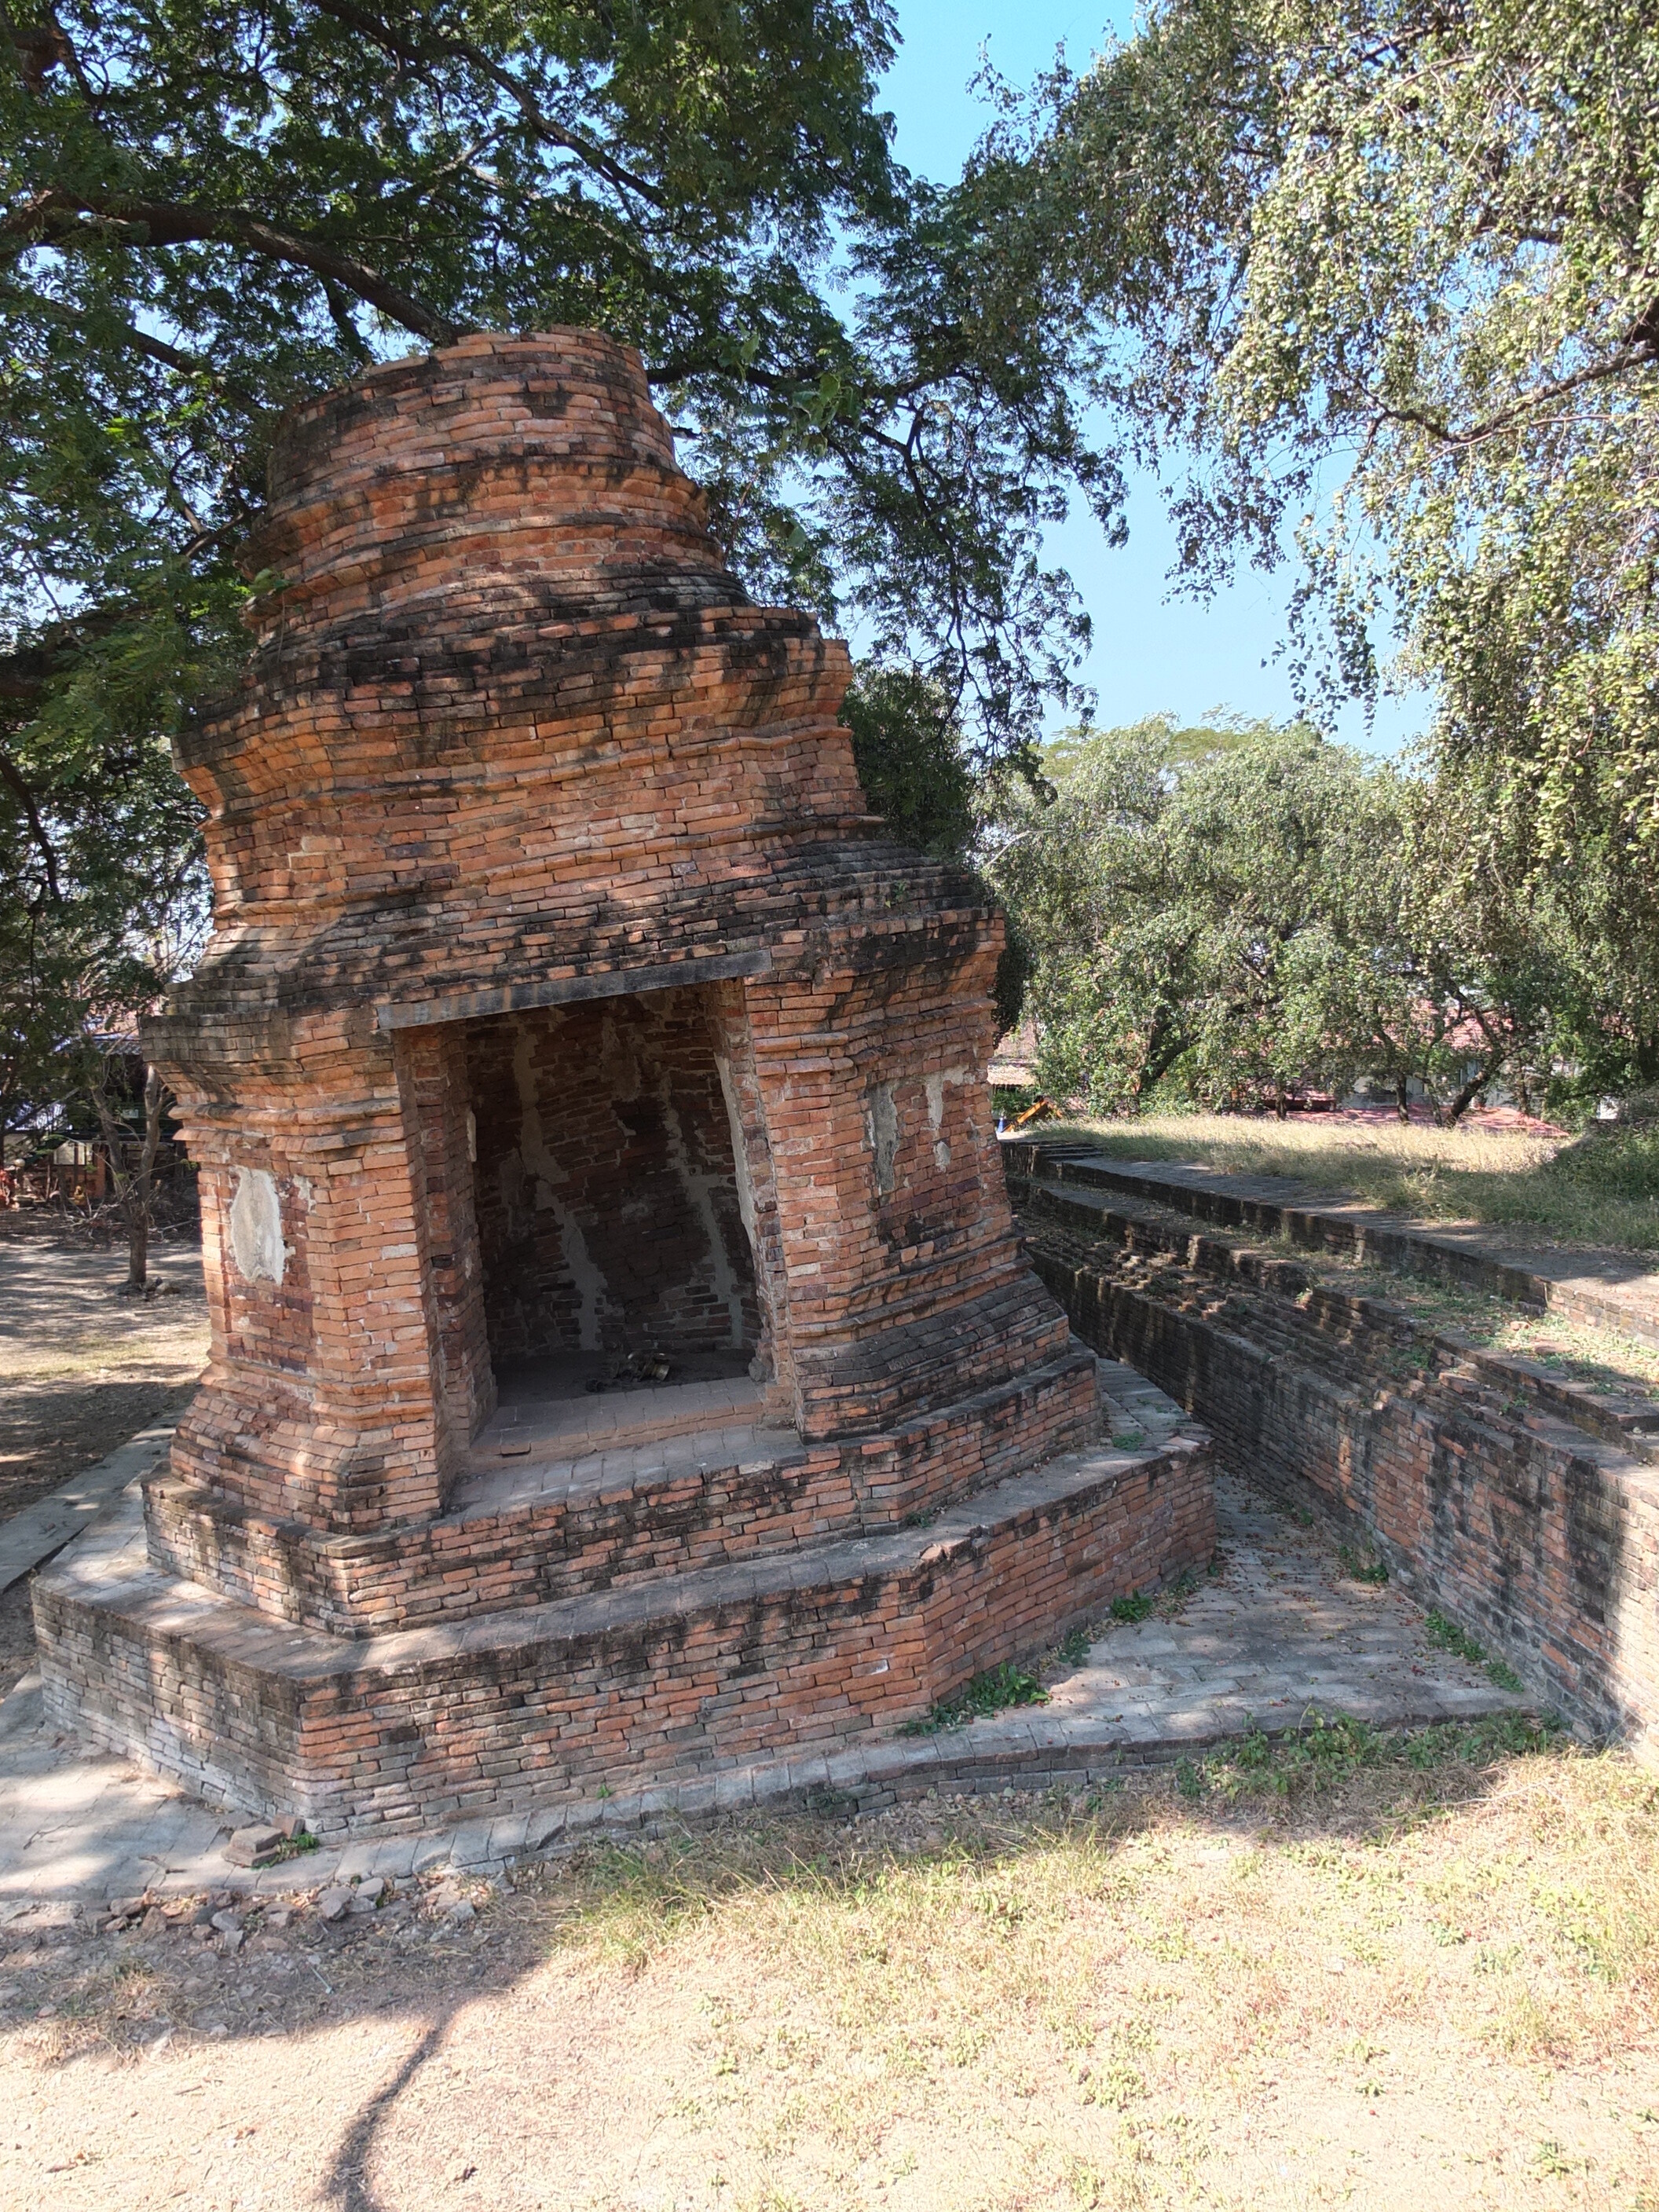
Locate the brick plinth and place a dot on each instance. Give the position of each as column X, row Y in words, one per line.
column 569, row 1020
column 668, row 1680
column 708, row 1501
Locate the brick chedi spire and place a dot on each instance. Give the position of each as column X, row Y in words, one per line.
column 608, row 1256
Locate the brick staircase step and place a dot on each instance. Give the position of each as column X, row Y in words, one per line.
column 662, row 1680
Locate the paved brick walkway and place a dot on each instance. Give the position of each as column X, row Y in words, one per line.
column 28, row 1537
column 1279, row 1633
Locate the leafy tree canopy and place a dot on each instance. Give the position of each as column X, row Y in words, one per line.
column 908, row 745
column 1390, row 270
column 914, row 764
column 210, row 212
column 1221, row 925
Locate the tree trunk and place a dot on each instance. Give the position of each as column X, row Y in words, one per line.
column 1402, row 1100
column 1470, row 1091
column 133, row 1186
column 138, row 1247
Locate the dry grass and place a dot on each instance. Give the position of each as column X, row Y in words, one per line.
column 1369, row 1976
column 1574, row 1350
column 1532, row 1186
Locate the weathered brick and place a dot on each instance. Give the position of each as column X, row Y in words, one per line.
column 566, row 997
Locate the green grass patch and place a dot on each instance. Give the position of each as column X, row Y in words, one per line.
column 1136, row 1607
column 1603, row 1189
column 294, row 1847
column 1446, row 1636
column 993, row 1691
column 1359, row 1569
column 1325, row 1752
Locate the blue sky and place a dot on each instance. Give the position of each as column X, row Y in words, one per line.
column 1152, row 652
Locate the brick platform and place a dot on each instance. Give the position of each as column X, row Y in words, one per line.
column 569, row 1023
column 801, row 1652
column 1526, row 1509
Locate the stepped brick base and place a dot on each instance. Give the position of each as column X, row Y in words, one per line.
column 792, row 1656
column 697, row 1499
column 1490, row 1488
column 569, row 1028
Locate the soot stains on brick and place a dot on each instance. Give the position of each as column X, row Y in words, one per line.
column 608, row 1210
column 558, row 957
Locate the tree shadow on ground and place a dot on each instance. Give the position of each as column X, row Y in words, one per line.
column 618, row 1907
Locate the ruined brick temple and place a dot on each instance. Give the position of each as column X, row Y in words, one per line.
column 624, row 1366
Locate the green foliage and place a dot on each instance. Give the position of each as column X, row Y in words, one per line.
column 102, row 890
column 993, row 1691
column 913, row 761
column 1016, row 965
column 906, row 743
column 1358, row 1569
column 212, row 213
column 1446, row 1636
column 1220, row 926
column 1137, row 1607
column 208, row 215
column 1611, row 1161
column 1392, row 274
column 1325, row 1750
column 1074, row 1647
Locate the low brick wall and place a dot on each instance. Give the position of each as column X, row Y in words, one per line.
column 636, row 1687
column 1476, row 1258
column 1539, row 1539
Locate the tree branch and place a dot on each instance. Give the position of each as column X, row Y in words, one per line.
column 1629, row 357
column 426, row 50
column 20, row 791
column 64, row 219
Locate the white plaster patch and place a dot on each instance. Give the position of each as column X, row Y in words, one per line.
column 256, row 1227
column 882, row 1126
column 934, row 1087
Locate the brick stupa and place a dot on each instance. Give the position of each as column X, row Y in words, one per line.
column 624, row 1366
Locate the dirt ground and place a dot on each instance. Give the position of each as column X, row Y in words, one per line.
column 82, row 1369
column 1382, row 1976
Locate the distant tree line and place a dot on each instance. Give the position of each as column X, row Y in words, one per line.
column 1378, row 280
column 1224, row 917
